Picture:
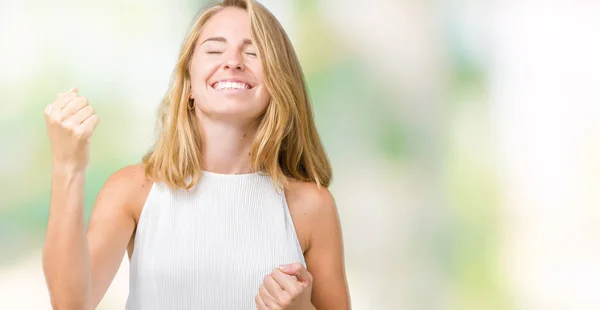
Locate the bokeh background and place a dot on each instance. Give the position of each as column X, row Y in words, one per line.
column 464, row 135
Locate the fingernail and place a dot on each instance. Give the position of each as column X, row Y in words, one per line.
column 284, row 267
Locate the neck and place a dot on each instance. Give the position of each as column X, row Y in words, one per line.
column 226, row 147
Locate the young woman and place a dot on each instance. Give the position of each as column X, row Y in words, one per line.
column 230, row 208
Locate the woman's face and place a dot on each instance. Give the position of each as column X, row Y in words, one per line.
column 226, row 72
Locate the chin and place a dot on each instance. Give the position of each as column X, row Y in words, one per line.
column 238, row 112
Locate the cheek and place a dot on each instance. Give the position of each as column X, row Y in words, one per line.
column 264, row 96
column 200, row 71
column 195, row 78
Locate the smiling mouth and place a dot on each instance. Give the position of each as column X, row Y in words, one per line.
column 231, row 86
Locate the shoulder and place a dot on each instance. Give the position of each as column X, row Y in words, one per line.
column 309, row 198
column 313, row 211
column 127, row 187
column 128, row 181
column 130, row 175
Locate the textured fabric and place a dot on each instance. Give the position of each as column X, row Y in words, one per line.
column 211, row 247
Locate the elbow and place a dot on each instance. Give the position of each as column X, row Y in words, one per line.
column 69, row 303
column 68, row 297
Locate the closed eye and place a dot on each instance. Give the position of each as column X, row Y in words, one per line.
column 214, row 52
column 251, row 54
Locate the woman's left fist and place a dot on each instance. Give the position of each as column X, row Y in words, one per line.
column 286, row 288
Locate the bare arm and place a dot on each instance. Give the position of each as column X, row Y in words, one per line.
column 113, row 223
column 80, row 266
column 325, row 254
column 318, row 226
column 70, row 122
column 65, row 254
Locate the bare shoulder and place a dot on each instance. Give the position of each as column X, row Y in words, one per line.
column 127, row 187
column 310, row 206
column 309, row 198
column 129, row 176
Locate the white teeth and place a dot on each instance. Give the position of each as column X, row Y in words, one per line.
column 231, row 85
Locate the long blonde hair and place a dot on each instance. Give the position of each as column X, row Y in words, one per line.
column 286, row 146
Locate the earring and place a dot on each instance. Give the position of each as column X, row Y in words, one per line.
column 191, row 104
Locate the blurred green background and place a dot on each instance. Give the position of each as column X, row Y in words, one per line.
column 464, row 137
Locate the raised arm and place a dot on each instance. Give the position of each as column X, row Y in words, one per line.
column 79, row 264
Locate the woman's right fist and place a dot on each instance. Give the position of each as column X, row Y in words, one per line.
column 70, row 122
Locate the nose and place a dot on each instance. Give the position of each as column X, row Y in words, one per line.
column 234, row 61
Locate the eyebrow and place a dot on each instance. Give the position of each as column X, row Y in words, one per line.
column 221, row 39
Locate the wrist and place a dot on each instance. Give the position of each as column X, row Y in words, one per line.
column 67, row 173
column 67, row 167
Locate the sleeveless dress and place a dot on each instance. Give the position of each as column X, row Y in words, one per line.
column 210, row 247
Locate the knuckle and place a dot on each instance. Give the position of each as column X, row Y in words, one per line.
column 283, row 299
column 294, row 292
column 76, row 133
column 54, row 115
column 79, row 132
column 54, row 119
column 266, row 278
column 94, row 122
column 86, row 111
column 66, row 124
column 63, row 115
column 81, row 101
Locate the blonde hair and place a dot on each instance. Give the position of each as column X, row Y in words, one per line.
column 286, row 146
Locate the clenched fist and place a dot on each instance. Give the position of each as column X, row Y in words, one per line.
column 286, row 288
column 70, row 122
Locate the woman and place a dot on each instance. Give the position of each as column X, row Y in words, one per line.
column 229, row 210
